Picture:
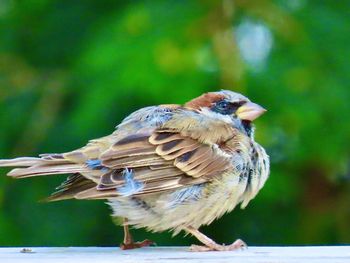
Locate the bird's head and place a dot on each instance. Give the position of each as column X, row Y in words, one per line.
column 229, row 104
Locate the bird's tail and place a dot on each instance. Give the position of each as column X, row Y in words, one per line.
column 46, row 164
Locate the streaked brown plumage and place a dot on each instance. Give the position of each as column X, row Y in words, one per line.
column 166, row 167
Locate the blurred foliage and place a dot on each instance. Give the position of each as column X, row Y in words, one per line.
column 71, row 70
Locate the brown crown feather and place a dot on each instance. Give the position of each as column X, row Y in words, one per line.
column 205, row 100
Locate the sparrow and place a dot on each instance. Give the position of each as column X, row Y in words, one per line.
column 167, row 167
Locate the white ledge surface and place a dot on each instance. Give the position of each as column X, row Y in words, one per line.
column 319, row 254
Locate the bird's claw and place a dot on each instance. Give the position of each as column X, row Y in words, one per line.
column 133, row 245
column 238, row 244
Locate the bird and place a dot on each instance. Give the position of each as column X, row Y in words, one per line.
column 166, row 168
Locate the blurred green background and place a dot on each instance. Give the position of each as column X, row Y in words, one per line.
column 71, row 70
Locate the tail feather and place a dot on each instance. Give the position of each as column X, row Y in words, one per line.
column 19, row 162
column 31, row 166
column 46, row 170
column 49, row 164
column 74, row 184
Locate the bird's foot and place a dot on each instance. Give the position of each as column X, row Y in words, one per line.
column 238, row 244
column 132, row 245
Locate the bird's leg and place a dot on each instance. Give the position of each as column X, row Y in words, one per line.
column 211, row 245
column 127, row 236
column 128, row 242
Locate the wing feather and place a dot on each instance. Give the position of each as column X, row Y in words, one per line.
column 160, row 160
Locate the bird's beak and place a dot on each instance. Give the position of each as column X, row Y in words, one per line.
column 250, row 111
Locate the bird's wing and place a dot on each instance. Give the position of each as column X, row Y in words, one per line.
column 155, row 159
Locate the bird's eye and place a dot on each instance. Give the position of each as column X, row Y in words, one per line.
column 224, row 107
